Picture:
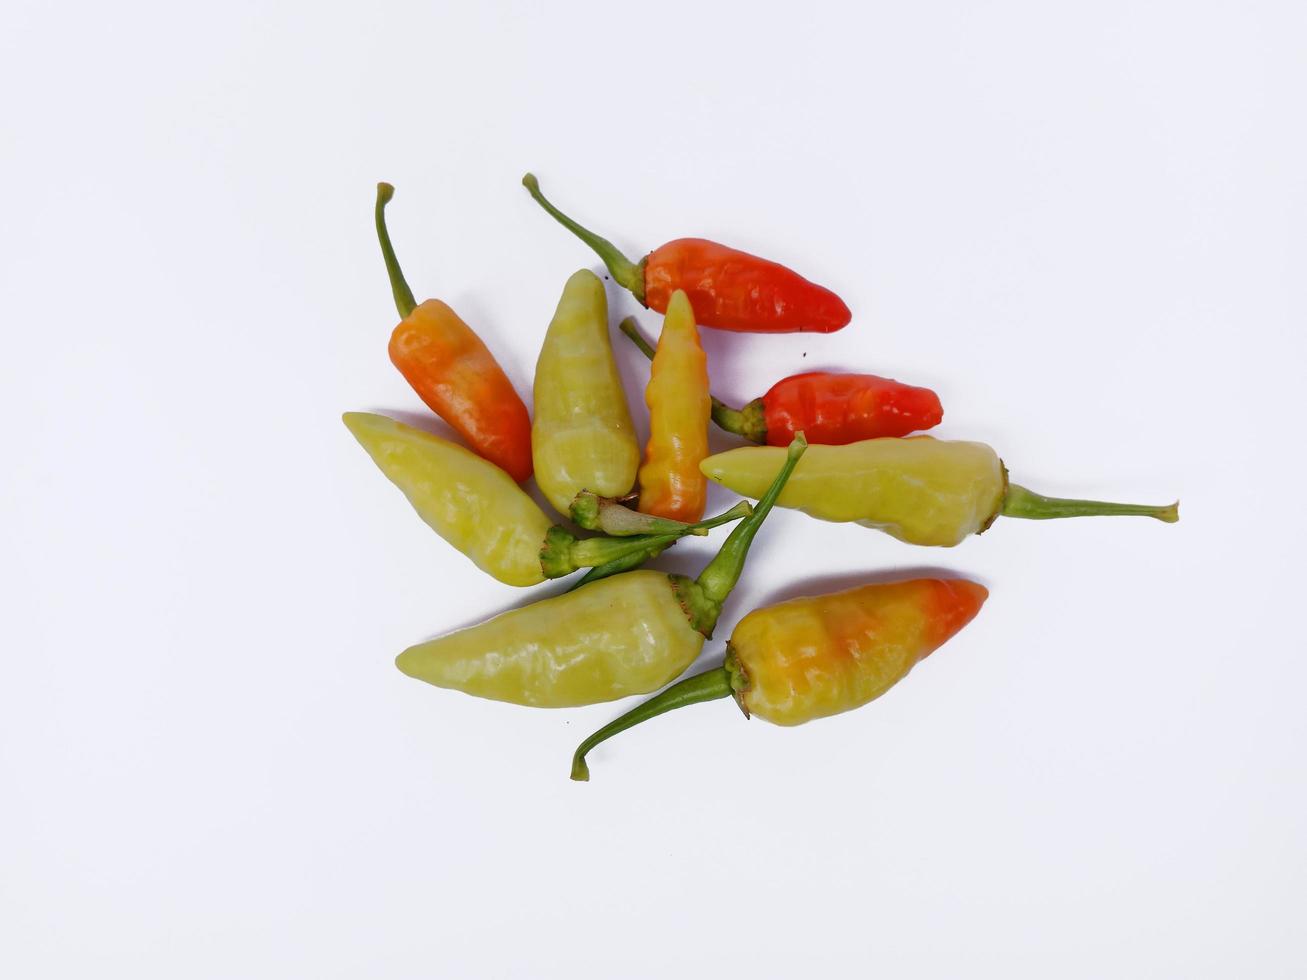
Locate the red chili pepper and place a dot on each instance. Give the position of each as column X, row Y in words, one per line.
column 830, row 409
column 729, row 289
column 453, row 371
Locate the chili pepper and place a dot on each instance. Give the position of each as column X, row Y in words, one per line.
column 628, row 634
column 831, row 409
column 729, row 289
column 919, row 490
column 582, row 437
column 453, row 371
column 813, row 657
column 671, row 485
column 476, row 507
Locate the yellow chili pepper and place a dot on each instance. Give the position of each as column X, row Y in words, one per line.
column 919, row 490
column 581, row 437
column 628, row 634
column 481, row 511
column 817, row 656
column 680, row 408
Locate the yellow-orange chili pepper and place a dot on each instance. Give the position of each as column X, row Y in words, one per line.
column 680, row 407
column 816, row 656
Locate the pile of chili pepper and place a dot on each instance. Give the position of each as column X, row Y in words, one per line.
column 621, row 629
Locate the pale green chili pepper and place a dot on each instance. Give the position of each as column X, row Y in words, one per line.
column 481, row 511
column 581, row 437
column 920, row 490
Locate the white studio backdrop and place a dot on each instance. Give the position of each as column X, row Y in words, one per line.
column 1080, row 223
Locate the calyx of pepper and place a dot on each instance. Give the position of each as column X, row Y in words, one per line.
column 739, row 677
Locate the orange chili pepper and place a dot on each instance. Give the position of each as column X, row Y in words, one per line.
column 453, row 371
column 671, row 483
column 816, row 656
column 729, row 289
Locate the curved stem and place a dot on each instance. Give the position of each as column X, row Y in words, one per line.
column 708, row 686
column 563, row 553
column 1023, row 503
column 404, row 301
column 596, row 513
column 703, row 598
column 748, row 422
column 627, row 273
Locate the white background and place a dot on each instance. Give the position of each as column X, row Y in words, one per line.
column 1081, row 224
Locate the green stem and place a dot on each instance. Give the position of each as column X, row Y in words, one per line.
column 563, row 553
column 633, row 334
column 708, row 686
column 1020, row 502
column 628, row 274
column 596, row 513
column 749, row 422
column 702, row 598
column 404, row 301
column 614, row 568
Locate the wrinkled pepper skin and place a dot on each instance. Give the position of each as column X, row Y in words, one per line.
column 582, row 436
column 455, row 374
column 733, row 290
column 836, row 409
column 467, row 500
column 619, row 636
column 671, row 484
column 920, row 490
column 812, row 657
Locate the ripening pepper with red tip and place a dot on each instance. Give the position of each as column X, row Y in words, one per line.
column 729, row 289
column 817, row 656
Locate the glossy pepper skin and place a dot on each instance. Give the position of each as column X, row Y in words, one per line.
column 453, row 371
column 628, row 634
column 476, row 507
column 829, row 408
column 582, row 436
column 729, row 289
column 919, row 490
column 822, row 655
column 671, row 484
column 817, row 656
